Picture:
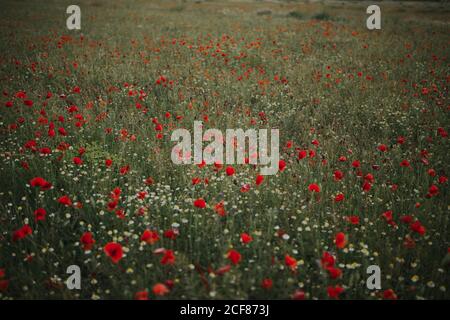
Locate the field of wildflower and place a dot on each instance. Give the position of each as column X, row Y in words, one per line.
column 86, row 175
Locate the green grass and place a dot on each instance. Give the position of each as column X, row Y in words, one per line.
column 296, row 15
column 321, row 16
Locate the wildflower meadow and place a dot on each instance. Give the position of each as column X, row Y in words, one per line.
column 358, row 207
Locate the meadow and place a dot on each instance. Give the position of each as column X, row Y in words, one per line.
column 86, row 177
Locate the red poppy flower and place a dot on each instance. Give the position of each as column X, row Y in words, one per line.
column 388, row 215
column 404, row 163
column 31, row 144
column 220, row 209
column 334, row 272
column 51, row 132
column 406, row 219
column 290, row 262
column 28, row 103
column 433, row 190
column 112, row 205
column 169, row 283
column 246, row 238
column 4, row 284
column 245, row 187
column 40, row 182
column 339, row 197
column 340, row 240
column 45, row 151
column 302, row 154
column 353, row 220
column 366, row 186
column 25, row 165
column 150, row 237
column 267, row 283
column 65, row 200
column 141, row 295
column 141, row 195
column 124, row 170
column 114, row 251
column 418, row 227
column 298, row 295
column 87, row 241
column 281, row 165
column 314, row 187
column 149, row 181
column 171, row 234
column 382, row 147
column 160, row 289
column 115, row 194
column 409, row 242
column 234, row 256
column 229, row 171
column 441, row 131
column 168, row 258
column 334, row 292
column 62, row 131
column 21, row 94
column 338, row 175
column 37, row 182
column 389, row 294
column 369, row 178
column 77, row 160
column 200, row 203
column 39, row 214
column 202, row 164
column 223, row 270
column 259, row 179
column 22, row 233
column 327, row 260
